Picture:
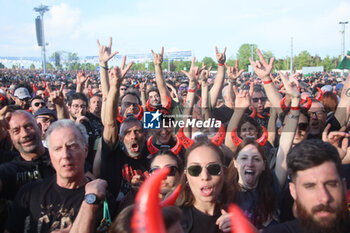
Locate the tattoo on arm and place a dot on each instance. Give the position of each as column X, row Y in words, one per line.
column 347, row 92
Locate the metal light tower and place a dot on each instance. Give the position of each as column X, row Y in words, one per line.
column 343, row 38
column 41, row 10
column 291, row 55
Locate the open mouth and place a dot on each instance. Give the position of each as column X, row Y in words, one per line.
column 207, row 191
column 135, row 147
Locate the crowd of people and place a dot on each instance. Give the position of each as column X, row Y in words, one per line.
column 76, row 150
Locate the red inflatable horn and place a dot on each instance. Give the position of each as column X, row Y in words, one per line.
column 150, row 108
column 239, row 222
column 185, row 141
column 2, row 98
column 171, row 199
column 154, row 150
column 139, row 115
column 253, row 114
column 319, row 94
column 308, row 104
column 219, row 137
column 237, row 140
column 147, row 217
column 282, row 104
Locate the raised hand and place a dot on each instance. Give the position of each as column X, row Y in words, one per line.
column 116, row 74
column 221, row 57
column 262, row 68
column 290, row 84
column 204, row 75
column 233, row 73
column 81, row 77
column 334, row 138
column 4, row 122
column 105, row 52
column 194, row 71
column 242, row 98
column 56, row 97
column 158, row 58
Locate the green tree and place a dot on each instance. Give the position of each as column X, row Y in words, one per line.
column 32, row 66
column 2, row 66
column 267, row 55
column 208, row 61
column 302, row 60
column 49, row 66
column 243, row 54
column 327, row 64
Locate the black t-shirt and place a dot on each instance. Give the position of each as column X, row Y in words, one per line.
column 44, row 206
column 16, row 173
column 223, row 114
column 194, row 221
column 286, row 227
column 118, row 169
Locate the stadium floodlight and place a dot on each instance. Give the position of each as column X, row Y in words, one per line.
column 343, row 38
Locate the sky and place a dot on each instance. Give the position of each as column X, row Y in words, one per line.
column 137, row 26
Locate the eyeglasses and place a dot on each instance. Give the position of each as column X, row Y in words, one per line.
column 303, row 126
column 123, row 89
column 173, row 170
column 183, row 88
column 318, row 113
column 262, row 99
column 213, row 169
column 37, row 104
column 76, row 106
column 128, row 104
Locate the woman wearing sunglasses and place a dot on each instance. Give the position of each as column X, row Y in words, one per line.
column 166, row 158
column 205, row 192
column 163, row 158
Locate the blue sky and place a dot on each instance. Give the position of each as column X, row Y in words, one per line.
column 138, row 26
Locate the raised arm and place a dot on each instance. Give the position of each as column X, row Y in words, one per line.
column 219, row 78
column 291, row 123
column 342, row 111
column 56, row 97
column 104, row 55
column 242, row 102
column 263, row 70
column 203, row 79
column 81, row 80
column 163, row 90
column 232, row 73
column 116, row 76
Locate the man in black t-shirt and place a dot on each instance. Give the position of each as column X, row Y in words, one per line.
column 318, row 189
column 55, row 203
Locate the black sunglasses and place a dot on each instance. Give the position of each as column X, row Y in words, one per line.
column 213, row 169
column 39, row 103
column 303, row 126
column 262, row 99
column 173, row 170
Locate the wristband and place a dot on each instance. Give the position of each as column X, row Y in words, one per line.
column 295, row 108
column 105, row 68
column 267, row 82
column 221, row 64
column 191, row 90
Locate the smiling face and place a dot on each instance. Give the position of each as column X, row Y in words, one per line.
column 205, row 187
column 248, row 129
column 250, row 165
column 154, row 98
column 25, row 133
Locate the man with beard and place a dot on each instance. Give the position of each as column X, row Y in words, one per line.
column 123, row 161
column 318, row 189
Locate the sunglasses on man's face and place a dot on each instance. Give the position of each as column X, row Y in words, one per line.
column 262, row 99
column 213, row 169
column 37, row 104
column 173, row 170
column 183, row 88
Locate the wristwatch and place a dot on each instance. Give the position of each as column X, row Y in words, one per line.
column 91, row 199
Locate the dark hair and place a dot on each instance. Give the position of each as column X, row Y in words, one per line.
column 266, row 204
column 168, row 152
column 129, row 118
column 77, row 96
column 128, row 92
column 150, row 90
column 329, row 101
column 311, row 153
column 229, row 189
column 37, row 97
column 246, row 119
column 122, row 224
